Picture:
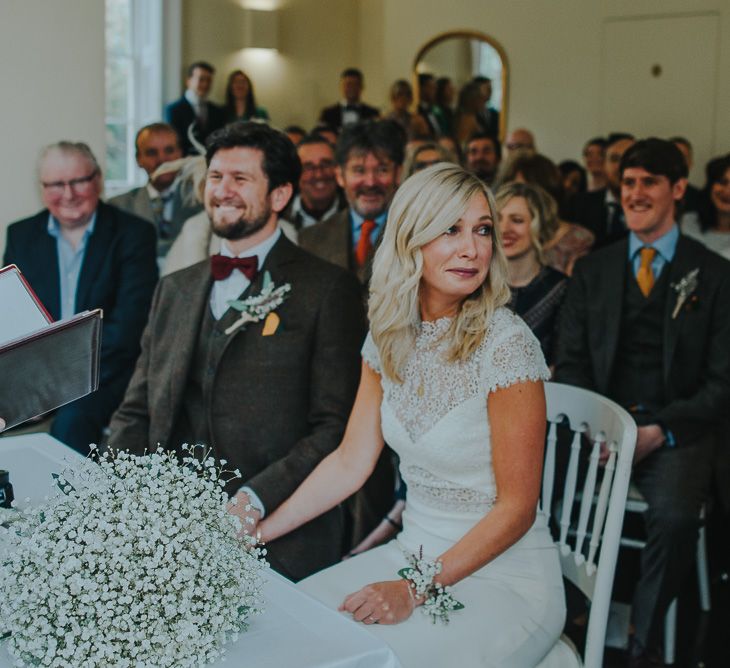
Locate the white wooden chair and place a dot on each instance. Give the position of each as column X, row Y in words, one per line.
column 596, row 524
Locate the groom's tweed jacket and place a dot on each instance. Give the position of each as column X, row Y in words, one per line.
column 273, row 406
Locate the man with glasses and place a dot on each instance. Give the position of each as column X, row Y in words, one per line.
column 318, row 197
column 80, row 254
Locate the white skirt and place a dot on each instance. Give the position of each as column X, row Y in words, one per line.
column 514, row 607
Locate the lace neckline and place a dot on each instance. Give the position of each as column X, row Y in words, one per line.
column 431, row 332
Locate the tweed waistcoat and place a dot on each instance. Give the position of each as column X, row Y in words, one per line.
column 637, row 374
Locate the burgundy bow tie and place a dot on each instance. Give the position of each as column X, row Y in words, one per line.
column 222, row 266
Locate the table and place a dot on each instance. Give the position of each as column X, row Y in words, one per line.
column 295, row 630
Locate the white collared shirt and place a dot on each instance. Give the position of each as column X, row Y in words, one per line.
column 231, row 288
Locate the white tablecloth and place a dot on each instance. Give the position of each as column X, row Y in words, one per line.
column 295, row 631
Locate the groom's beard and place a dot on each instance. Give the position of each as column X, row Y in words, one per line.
column 246, row 224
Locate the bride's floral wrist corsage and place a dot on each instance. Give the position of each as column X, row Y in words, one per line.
column 438, row 601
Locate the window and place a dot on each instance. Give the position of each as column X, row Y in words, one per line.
column 134, row 37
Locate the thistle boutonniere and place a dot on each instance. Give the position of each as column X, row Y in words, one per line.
column 685, row 288
column 258, row 306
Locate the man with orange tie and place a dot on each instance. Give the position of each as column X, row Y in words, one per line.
column 369, row 157
column 645, row 322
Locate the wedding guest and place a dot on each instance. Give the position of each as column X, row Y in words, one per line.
column 520, row 139
column 467, row 121
column 80, row 254
column 425, row 155
column 594, row 159
column 600, row 210
column 193, row 114
column 441, row 348
column 369, row 159
column 326, row 132
column 574, row 179
column 568, row 241
column 488, row 114
column 401, row 98
column 452, row 147
column 271, row 398
column 161, row 200
column 692, row 196
column 527, row 221
column 711, row 226
column 350, row 110
column 240, row 100
column 661, row 352
column 482, row 155
column 427, row 109
column 445, row 94
column 295, row 133
column 318, row 197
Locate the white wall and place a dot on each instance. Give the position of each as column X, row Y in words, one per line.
column 317, row 40
column 554, row 53
column 52, row 78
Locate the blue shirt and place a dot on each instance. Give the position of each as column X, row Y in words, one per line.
column 665, row 248
column 356, row 221
column 70, row 260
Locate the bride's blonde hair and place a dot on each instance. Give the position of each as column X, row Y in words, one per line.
column 424, row 207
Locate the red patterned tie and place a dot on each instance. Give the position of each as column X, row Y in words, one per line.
column 222, row 266
column 364, row 244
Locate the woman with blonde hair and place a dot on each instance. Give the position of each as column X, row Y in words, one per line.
column 528, row 219
column 452, row 381
column 568, row 241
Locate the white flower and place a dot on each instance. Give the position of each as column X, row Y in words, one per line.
column 134, row 563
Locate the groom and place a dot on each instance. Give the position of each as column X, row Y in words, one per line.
column 272, row 397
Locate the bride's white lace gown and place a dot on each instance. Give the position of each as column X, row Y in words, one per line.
column 437, row 423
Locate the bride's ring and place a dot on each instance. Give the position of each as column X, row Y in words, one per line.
column 372, row 619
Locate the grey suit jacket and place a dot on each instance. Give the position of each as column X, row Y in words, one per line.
column 331, row 240
column 279, row 403
column 137, row 201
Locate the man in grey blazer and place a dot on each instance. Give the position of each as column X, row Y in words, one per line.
column 159, row 201
column 272, row 397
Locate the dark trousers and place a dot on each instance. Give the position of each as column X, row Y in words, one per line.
column 675, row 483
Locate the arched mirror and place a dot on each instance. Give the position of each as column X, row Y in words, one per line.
column 462, row 57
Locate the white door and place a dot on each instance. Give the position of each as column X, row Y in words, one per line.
column 659, row 79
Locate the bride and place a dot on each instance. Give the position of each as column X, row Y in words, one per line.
column 453, row 382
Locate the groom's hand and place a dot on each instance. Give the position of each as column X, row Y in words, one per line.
column 381, row 603
column 240, row 506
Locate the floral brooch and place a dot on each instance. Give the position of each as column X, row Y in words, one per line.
column 685, row 288
column 258, row 306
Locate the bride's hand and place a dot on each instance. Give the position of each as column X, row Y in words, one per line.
column 382, row 603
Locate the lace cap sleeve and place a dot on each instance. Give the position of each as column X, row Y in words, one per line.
column 512, row 355
column 370, row 354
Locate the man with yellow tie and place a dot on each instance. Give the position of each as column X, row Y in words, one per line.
column 646, row 323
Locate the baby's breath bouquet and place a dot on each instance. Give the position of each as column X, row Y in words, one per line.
column 135, row 563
